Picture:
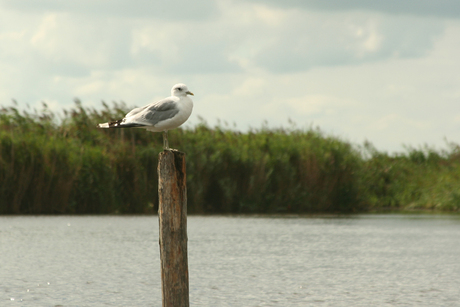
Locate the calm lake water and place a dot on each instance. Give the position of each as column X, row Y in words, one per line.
column 364, row 260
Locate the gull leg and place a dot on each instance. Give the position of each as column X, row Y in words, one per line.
column 165, row 140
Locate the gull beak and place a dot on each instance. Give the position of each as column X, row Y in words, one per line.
column 189, row 93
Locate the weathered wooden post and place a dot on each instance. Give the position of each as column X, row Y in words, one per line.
column 172, row 213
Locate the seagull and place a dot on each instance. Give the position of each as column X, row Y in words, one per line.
column 160, row 116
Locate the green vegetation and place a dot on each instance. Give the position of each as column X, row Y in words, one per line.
column 51, row 165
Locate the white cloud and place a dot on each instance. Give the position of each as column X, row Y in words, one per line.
column 321, row 39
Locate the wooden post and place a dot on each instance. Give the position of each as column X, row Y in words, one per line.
column 172, row 213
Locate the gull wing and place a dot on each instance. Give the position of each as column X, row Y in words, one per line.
column 152, row 114
column 135, row 111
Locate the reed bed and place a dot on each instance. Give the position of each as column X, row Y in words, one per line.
column 62, row 164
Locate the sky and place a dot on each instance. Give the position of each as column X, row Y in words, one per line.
column 387, row 72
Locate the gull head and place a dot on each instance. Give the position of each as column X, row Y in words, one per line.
column 180, row 90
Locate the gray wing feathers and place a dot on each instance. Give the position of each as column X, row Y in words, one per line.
column 152, row 114
column 135, row 111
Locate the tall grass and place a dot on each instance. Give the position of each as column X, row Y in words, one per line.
column 52, row 164
column 269, row 171
column 421, row 178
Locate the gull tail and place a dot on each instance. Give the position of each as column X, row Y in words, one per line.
column 104, row 125
column 114, row 124
column 118, row 124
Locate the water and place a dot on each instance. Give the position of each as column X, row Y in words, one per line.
column 365, row 260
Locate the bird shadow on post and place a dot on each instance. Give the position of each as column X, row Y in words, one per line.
column 172, row 214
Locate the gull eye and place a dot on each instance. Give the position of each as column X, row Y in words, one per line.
column 179, row 89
